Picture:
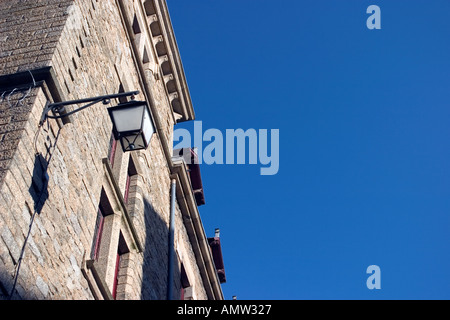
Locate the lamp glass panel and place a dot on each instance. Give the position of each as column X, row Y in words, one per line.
column 147, row 127
column 128, row 119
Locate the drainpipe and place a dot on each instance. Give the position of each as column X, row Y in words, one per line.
column 171, row 241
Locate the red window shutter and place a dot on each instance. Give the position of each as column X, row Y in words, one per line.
column 116, row 276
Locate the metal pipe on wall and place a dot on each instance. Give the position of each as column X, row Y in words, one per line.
column 171, row 241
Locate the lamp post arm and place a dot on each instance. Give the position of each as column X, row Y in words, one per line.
column 59, row 106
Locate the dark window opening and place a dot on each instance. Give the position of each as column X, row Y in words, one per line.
column 184, row 283
column 130, row 173
column 136, row 27
column 104, row 210
column 122, row 249
column 112, row 150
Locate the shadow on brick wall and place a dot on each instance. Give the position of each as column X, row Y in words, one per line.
column 39, row 186
column 39, row 193
column 156, row 253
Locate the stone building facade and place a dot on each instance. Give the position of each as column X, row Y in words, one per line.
column 94, row 220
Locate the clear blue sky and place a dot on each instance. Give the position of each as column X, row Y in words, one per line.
column 364, row 143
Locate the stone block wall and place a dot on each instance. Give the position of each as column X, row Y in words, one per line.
column 53, row 176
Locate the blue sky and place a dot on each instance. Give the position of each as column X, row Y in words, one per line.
column 364, row 158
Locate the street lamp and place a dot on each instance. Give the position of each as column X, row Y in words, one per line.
column 132, row 125
column 132, row 122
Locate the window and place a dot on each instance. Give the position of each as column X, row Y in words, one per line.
column 130, row 173
column 112, row 150
column 104, row 210
column 114, row 243
column 186, row 289
column 122, row 249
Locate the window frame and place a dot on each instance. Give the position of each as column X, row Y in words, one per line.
column 114, row 234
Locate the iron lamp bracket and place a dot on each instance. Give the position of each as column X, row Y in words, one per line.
column 59, row 110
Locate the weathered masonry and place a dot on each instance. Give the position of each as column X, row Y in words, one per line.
column 79, row 217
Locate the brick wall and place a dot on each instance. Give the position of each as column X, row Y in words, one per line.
column 87, row 45
column 29, row 33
